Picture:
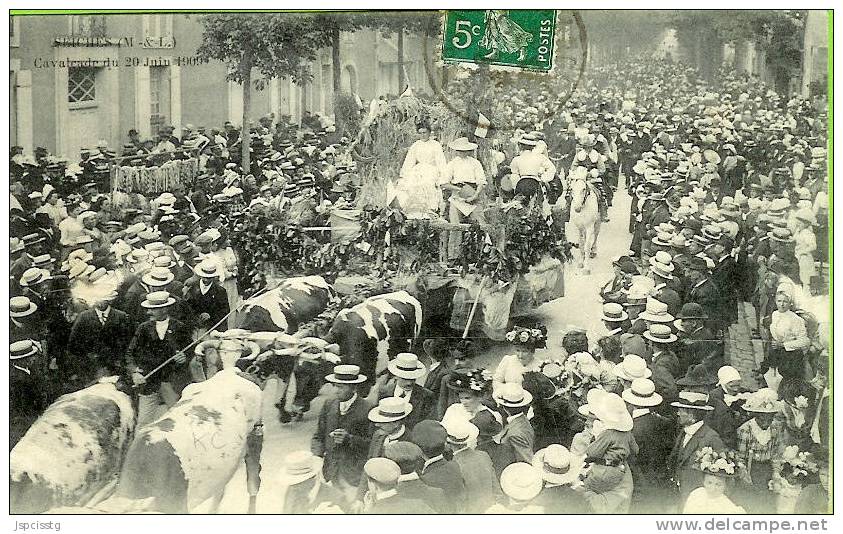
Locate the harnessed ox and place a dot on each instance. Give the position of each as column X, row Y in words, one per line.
column 73, row 451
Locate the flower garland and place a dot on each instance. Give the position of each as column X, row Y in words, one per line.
column 722, row 463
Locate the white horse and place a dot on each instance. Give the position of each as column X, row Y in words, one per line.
column 585, row 216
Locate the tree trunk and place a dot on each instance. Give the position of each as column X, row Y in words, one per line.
column 245, row 132
column 400, row 45
column 336, row 62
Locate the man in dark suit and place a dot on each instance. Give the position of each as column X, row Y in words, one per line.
column 663, row 363
column 405, row 369
column 624, row 269
column 382, row 497
column 342, row 434
column 431, row 438
column 102, row 331
column 410, row 459
column 207, row 300
column 388, row 418
column 694, row 435
column 559, row 469
column 654, row 435
column 154, row 343
column 518, row 437
column 697, row 343
column 440, row 365
column 725, row 277
column 704, row 291
column 481, row 483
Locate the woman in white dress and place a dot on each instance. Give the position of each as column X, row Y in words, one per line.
column 512, row 367
column 788, row 336
column 418, row 189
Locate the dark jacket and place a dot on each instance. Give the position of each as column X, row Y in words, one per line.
column 654, row 436
column 421, row 399
column 345, row 460
column 396, row 504
column 147, row 351
column 481, row 482
column 296, row 500
column 682, row 458
column 516, row 443
column 214, row 303
column 433, row 382
column 725, row 419
column 418, row 490
column 562, row 500
column 446, row 475
column 108, row 341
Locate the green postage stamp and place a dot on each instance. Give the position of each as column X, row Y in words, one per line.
column 510, row 37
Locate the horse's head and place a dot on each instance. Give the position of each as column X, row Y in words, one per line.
column 579, row 192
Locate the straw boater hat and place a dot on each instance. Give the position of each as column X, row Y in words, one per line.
column 15, row 245
column 207, row 269
column 406, row 365
column 158, row 277
column 158, row 299
column 97, row 275
column 138, row 255
column 521, row 481
column 462, row 144
column 614, row 313
column 656, row 312
column 346, row 374
column 461, row 432
column 300, row 466
column 642, row 393
column 34, row 276
column 557, row 465
column 692, row 400
column 632, row 367
column 42, row 261
column 23, row 349
column 164, row 261
column 21, row 307
column 611, row 410
column 660, row 333
column 512, row 395
column 390, row 409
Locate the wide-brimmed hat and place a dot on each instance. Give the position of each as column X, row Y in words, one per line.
column 662, row 239
column 698, row 375
column 521, row 481
column 472, row 380
column 632, row 367
column 614, row 313
column 626, row 265
column 528, row 140
column 557, row 465
column 592, row 397
column 462, row 144
column 692, row 400
column 406, row 365
column 158, row 277
column 23, row 349
column 642, row 392
column 781, row 235
column 42, row 260
column 765, row 400
column 299, row 466
column 656, row 312
column 660, row 333
column 512, row 395
column 346, row 374
column 158, row 299
column 611, row 410
column 21, row 307
column 164, row 261
column 34, row 276
column 138, row 255
column 390, row 409
column 207, row 269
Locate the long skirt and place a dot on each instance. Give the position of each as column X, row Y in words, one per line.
column 791, row 364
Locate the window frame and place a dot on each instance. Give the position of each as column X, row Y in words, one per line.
column 87, row 103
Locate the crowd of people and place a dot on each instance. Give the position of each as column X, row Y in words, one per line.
column 729, row 188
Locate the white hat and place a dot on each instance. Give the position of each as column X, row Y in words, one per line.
column 557, row 465
column 642, row 392
column 300, row 466
column 460, row 431
column 512, row 395
column 207, row 269
column 765, row 400
column 521, row 481
column 727, row 374
column 461, row 144
column 158, row 277
column 382, row 470
column 592, row 398
column 346, row 374
column 406, row 365
column 632, row 367
column 390, row 409
column 611, row 410
column 656, row 312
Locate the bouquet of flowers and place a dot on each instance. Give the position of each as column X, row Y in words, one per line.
column 720, row 463
column 557, row 374
column 586, row 373
column 535, row 337
column 793, row 470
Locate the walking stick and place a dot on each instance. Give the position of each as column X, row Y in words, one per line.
column 474, row 307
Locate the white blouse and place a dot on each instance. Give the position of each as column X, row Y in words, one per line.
column 699, row 502
column 510, row 370
column 789, row 329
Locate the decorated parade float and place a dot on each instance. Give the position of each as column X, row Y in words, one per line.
column 366, row 245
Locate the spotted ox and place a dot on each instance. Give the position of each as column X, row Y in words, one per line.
column 73, row 450
column 376, row 329
column 285, row 308
column 187, row 457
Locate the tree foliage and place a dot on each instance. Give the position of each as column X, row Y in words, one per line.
column 278, row 45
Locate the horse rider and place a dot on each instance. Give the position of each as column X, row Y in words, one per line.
column 531, row 169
